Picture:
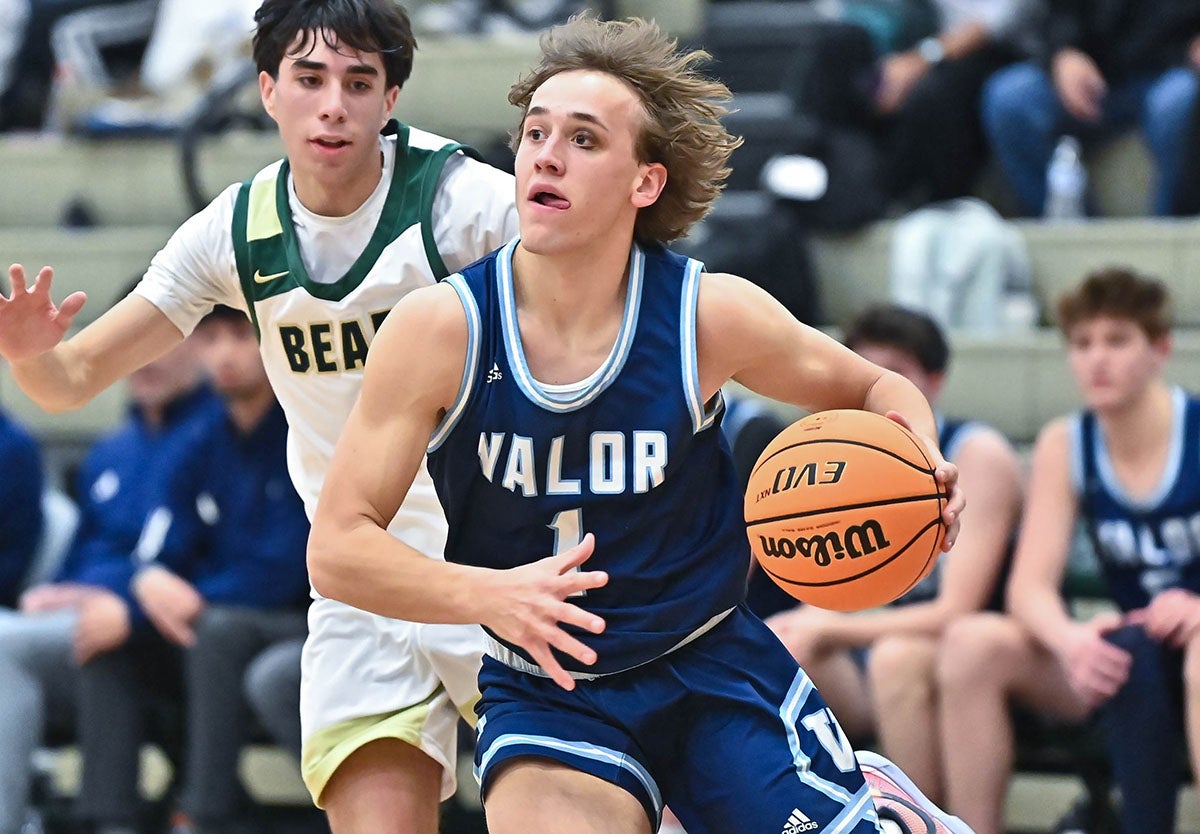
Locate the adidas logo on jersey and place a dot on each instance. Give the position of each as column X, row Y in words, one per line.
column 798, row 822
column 494, row 374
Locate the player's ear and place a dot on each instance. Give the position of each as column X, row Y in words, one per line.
column 652, row 179
column 266, row 89
column 389, row 101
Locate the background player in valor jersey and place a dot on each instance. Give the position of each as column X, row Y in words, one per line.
column 318, row 248
column 576, row 407
column 1129, row 467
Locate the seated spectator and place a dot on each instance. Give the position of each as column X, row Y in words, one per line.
column 1111, row 66
column 65, row 621
column 272, row 688
column 20, row 506
column 876, row 670
column 1126, row 466
column 227, row 581
column 934, row 147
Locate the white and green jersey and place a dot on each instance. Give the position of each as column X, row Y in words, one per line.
column 318, row 288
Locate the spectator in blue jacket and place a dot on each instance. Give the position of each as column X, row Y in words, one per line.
column 79, row 613
column 20, row 506
column 226, row 581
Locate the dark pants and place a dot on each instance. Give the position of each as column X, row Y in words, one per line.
column 121, row 688
column 1144, row 727
column 935, row 146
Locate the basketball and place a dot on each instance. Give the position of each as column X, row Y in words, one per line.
column 843, row 511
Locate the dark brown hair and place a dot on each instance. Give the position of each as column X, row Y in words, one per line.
column 682, row 128
column 365, row 26
column 903, row 329
column 1119, row 293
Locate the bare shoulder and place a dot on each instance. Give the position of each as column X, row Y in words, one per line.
column 986, row 446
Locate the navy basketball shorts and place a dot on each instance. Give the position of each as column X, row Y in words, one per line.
column 728, row 731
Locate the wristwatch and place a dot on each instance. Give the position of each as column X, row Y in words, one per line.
column 931, row 50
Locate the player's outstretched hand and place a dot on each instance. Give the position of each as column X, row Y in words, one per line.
column 946, row 474
column 30, row 324
column 530, row 605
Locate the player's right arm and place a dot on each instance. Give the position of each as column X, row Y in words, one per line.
column 407, row 387
column 1096, row 667
column 59, row 375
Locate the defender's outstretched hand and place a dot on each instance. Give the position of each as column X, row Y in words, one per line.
column 946, row 474
column 530, row 604
column 30, row 324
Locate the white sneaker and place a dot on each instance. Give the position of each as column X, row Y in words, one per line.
column 900, row 801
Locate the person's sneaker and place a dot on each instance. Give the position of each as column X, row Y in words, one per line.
column 899, row 801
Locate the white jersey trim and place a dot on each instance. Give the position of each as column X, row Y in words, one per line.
column 470, row 367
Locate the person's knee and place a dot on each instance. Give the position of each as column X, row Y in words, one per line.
column 1168, row 109
column 975, row 651
column 1009, row 95
column 272, row 678
column 901, row 666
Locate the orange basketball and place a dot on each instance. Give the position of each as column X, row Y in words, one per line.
column 843, row 510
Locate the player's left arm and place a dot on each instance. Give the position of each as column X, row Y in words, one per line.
column 744, row 334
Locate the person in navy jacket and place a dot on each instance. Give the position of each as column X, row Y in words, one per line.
column 20, row 506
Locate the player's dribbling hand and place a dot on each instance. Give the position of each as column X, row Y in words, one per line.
column 529, row 604
column 30, row 324
column 946, row 474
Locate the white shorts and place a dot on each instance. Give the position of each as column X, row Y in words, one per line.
column 360, row 668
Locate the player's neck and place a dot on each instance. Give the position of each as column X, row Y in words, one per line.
column 1142, row 426
column 341, row 195
column 578, row 290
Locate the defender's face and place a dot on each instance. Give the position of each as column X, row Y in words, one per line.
column 1113, row 360
column 330, row 105
column 578, row 175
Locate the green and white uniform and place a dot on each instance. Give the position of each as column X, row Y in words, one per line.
column 317, row 289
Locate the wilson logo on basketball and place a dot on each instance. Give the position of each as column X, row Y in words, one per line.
column 857, row 540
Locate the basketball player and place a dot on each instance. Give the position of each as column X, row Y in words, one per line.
column 318, row 248
column 1129, row 467
column 574, row 410
column 894, row 695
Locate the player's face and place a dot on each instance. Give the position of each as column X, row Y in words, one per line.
column 228, row 351
column 1113, row 360
column 578, row 175
column 329, row 104
column 905, row 364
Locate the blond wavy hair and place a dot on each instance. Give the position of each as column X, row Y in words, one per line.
column 683, row 108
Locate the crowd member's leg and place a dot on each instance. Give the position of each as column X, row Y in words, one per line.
column 272, row 688
column 227, row 640
column 1143, row 726
column 935, row 142
column 116, row 691
column 37, row 686
column 1021, row 117
column 985, row 662
column 1166, row 122
column 904, row 692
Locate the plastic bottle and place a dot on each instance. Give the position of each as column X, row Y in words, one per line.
column 1066, row 181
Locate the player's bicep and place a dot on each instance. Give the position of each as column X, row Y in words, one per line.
column 746, row 335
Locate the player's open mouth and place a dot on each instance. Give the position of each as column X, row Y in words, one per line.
column 332, row 144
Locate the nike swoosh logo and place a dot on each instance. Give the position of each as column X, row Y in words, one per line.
column 259, row 278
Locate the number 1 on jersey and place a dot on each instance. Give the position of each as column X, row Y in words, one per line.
column 568, row 532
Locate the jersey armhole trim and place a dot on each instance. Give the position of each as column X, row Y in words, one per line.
column 470, row 367
column 703, row 414
column 241, row 251
column 433, row 174
column 1075, row 427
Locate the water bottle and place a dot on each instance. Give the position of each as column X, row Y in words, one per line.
column 1066, row 181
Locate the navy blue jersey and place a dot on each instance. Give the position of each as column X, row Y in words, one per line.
column 631, row 454
column 1149, row 545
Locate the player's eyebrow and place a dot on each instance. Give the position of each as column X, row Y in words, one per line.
column 358, row 69
column 577, row 115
